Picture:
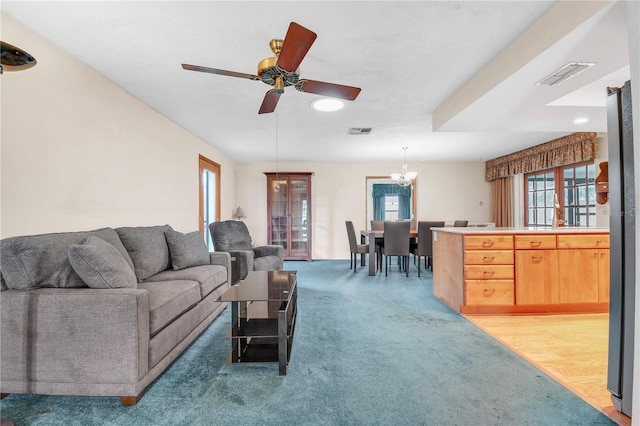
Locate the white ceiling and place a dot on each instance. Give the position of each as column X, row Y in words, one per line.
column 409, row 58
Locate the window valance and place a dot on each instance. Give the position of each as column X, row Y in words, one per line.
column 570, row 149
column 380, row 189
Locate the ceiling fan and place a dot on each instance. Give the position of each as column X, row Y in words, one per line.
column 14, row 59
column 282, row 70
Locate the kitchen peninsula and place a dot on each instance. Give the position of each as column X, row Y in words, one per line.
column 522, row 270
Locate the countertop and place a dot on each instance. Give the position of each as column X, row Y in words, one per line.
column 524, row 230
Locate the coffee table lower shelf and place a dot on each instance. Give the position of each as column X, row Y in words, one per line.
column 265, row 350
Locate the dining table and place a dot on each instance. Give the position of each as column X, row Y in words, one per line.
column 370, row 236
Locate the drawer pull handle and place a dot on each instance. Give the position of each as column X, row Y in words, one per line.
column 536, row 243
column 602, row 253
column 598, row 242
column 489, row 290
column 488, row 258
column 536, row 258
column 489, row 273
column 487, row 243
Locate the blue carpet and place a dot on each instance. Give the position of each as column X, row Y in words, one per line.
column 367, row 351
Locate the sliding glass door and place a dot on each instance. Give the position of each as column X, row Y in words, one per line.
column 209, row 197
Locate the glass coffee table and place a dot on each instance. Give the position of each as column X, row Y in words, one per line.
column 263, row 317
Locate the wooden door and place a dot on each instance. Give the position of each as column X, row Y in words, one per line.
column 536, row 277
column 603, row 275
column 578, row 274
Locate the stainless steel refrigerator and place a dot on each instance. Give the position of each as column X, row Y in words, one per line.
column 622, row 227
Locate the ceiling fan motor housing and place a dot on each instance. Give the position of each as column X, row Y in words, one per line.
column 269, row 71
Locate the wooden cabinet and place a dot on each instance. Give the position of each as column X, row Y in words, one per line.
column 583, row 268
column 550, row 271
column 537, row 277
column 289, row 213
column 488, row 270
column 535, row 242
column 603, row 276
column 536, row 270
column 488, row 242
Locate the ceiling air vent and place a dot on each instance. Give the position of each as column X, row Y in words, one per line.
column 359, row 130
column 564, row 73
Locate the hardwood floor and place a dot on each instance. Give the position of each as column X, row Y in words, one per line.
column 572, row 349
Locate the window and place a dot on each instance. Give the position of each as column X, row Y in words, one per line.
column 390, row 207
column 576, row 195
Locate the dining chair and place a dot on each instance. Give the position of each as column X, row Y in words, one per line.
column 425, row 242
column 396, row 243
column 354, row 247
column 413, row 222
column 378, row 225
column 460, row 223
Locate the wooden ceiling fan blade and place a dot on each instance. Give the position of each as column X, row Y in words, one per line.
column 14, row 59
column 269, row 102
column 295, row 46
column 328, row 89
column 198, row 68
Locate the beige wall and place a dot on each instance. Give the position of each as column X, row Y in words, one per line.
column 78, row 152
column 445, row 191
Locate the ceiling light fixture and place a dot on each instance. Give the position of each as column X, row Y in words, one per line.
column 569, row 70
column 581, row 120
column 327, row 104
column 405, row 178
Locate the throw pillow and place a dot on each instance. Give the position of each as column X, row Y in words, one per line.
column 101, row 265
column 186, row 250
column 147, row 247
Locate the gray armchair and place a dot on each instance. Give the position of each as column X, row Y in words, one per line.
column 232, row 236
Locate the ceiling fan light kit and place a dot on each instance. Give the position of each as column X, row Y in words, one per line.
column 281, row 70
column 327, row 104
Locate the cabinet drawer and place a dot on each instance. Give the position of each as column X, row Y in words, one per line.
column 535, row 242
column 583, row 241
column 488, row 242
column 488, row 257
column 489, row 292
column 488, row 272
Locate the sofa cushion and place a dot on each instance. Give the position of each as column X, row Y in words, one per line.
column 147, row 247
column 168, row 300
column 209, row 277
column 43, row 260
column 186, row 250
column 100, row 265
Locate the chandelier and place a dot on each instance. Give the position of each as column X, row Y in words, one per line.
column 405, row 178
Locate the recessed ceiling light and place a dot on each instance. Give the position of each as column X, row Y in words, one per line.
column 327, row 104
column 581, row 120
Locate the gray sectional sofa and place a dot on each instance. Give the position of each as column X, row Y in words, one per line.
column 103, row 312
